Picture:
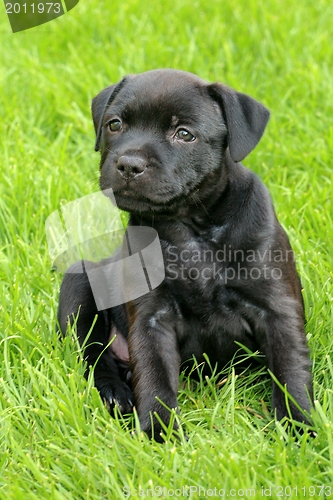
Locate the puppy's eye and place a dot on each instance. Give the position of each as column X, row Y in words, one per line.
column 184, row 135
column 115, row 125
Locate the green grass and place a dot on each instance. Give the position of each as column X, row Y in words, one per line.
column 57, row 439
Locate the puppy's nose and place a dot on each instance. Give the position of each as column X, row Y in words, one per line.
column 130, row 166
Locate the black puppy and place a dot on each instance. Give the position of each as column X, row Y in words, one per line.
column 170, row 146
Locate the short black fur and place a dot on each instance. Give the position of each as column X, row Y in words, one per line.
column 230, row 272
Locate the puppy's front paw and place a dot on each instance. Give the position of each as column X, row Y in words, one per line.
column 120, row 397
column 160, row 426
column 153, row 432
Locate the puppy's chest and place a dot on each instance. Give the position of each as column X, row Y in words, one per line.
column 196, row 269
column 204, row 281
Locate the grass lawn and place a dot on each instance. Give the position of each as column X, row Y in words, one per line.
column 57, row 439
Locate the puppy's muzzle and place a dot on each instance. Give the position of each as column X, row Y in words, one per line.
column 131, row 165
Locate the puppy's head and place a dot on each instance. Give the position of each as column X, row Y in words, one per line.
column 163, row 137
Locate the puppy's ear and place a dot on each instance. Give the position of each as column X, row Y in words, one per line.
column 246, row 119
column 100, row 104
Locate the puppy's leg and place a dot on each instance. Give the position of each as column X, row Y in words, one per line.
column 288, row 359
column 156, row 362
column 110, row 374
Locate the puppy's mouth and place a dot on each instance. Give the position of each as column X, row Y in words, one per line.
column 148, row 198
column 163, row 198
column 160, row 202
column 132, row 202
